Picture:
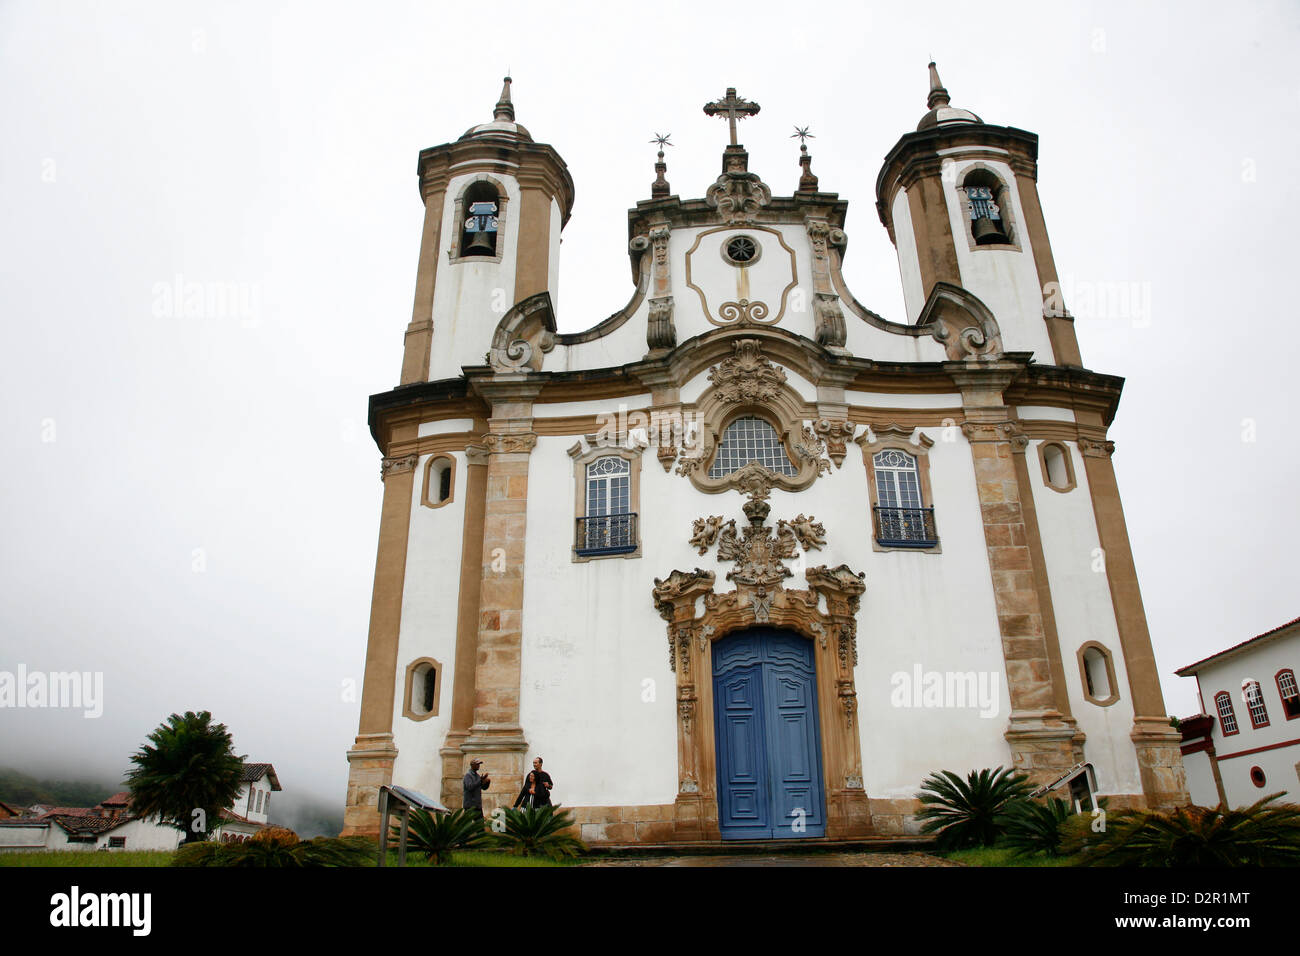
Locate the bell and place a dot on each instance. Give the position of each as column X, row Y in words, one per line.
column 480, row 245
column 987, row 231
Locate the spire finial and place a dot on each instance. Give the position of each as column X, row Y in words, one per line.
column 505, row 110
column 938, row 95
column 660, row 186
column 807, row 181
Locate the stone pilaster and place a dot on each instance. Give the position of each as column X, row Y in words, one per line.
column 1157, row 743
column 373, row 754
column 496, row 735
column 1042, row 738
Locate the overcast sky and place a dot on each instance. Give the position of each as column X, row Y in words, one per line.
column 190, row 499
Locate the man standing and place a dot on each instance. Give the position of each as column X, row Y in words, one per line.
column 537, row 787
column 474, row 785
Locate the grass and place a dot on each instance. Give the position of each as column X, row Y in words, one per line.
column 1005, row 856
column 86, row 858
column 478, row 858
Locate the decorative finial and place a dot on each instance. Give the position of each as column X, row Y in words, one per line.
column 807, row 181
column 505, row 110
column 660, row 186
column 938, row 95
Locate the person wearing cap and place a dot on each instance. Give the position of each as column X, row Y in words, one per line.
column 474, row 785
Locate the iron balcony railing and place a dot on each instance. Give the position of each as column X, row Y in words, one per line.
column 605, row 534
column 905, row 527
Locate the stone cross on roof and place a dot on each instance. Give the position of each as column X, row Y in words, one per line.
column 734, row 107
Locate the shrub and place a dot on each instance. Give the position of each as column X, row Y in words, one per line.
column 1034, row 827
column 277, row 847
column 974, row 812
column 540, row 831
column 1257, row 835
column 436, row 834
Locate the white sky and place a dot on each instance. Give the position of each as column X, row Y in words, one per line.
column 276, row 151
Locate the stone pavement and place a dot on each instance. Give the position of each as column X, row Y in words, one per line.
column 790, row 860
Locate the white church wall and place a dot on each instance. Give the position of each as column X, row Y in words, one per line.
column 903, row 400
column 604, row 406
column 553, row 259
column 909, row 266
column 591, row 641
column 1044, row 413
column 1004, row 280
column 622, row 346
column 428, row 627
column 470, row 297
column 1084, row 611
column 445, row 426
column 935, row 612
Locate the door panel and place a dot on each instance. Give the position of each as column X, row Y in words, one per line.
column 768, row 739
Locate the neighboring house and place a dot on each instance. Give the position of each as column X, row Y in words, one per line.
column 109, row 825
column 1243, row 745
column 251, row 809
column 7, row 811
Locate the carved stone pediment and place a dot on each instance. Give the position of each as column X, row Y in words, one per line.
column 524, row 335
column 738, row 196
column 747, row 376
column 962, row 323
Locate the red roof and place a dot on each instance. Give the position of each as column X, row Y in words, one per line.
column 1192, row 668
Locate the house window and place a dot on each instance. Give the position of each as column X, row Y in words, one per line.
column 1227, row 717
column 478, row 236
column 901, row 518
column 1290, row 694
column 608, row 525
column 439, row 481
column 117, row 843
column 423, row 689
column 1098, row 670
column 266, row 803
column 1254, row 695
column 82, row 838
column 746, row 440
column 257, row 808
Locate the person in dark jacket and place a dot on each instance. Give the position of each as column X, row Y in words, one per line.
column 474, row 785
column 536, row 791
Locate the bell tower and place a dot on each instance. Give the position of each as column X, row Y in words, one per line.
column 494, row 205
column 960, row 200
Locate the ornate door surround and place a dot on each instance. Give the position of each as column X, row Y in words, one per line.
column 760, row 598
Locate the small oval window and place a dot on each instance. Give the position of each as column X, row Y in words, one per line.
column 741, row 251
column 1057, row 471
column 1257, row 777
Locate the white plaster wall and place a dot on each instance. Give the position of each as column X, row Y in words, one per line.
column 34, row 836
column 471, row 296
column 444, row 427
column 935, row 610
column 1084, row 612
column 429, row 609
column 1004, row 280
column 903, row 400
column 1200, row 779
column 146, row 834
column 604, row 406
column 909, row 266
column 553, row 259
column 1261, row 663
column 1044, row 412
column 625, row 344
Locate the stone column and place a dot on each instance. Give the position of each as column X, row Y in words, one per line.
column 1158, row 744
column 454, row 763
column 419, row 333
column 496, row 735
column 373, row 753
column 1042, row 738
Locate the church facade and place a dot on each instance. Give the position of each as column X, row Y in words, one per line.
column 747, row 560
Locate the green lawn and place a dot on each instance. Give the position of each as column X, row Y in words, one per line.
column 1003, row 856
column 86, row 858
column 481, row 858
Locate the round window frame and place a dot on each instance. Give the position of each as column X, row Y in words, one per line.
column 735, row 263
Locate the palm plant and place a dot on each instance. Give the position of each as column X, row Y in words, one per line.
column 279, row 849
column 437, row 834
column 186, row 774
column 1034, row 827
column 541, row 831
column 1257, row 835
column 973, row 812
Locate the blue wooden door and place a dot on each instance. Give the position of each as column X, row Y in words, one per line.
column 768, row 738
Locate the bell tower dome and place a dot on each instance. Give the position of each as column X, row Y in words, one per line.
column 960, row 200
column 494, row 204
